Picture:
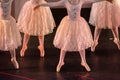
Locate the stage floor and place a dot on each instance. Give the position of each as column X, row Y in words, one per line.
column 104, row 63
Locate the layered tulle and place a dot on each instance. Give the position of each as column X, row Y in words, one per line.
column 9, row 34
column 35, row 22
column 105, row 15
column 73, row 35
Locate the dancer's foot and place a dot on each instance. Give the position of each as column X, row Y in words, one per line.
column 23, row 51
column 86, row 66
column 117, row 42
column 15, row 63
column 42, row 52
column 94, row 46
column 59, row 66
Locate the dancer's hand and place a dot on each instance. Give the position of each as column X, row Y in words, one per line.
column 36, row 7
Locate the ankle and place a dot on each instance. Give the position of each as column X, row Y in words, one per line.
column 96, row 41
column 13, row 59
column 40, row 47
column 24, row 47
column 116, row 39
column 61, row 63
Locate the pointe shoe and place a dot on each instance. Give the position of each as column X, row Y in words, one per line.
column 23, row 51
column 94, row 46
column 59, row 67
column 86, row 66
column 15, row 63
column 42, row 52
column 117, row 42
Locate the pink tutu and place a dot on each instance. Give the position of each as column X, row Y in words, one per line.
column 104, row 15
column 9, row 34
column 73, row 35
column 35, row 22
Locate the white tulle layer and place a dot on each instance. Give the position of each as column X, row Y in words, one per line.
column 105, row 15
column 9, row 34
column 35, row 22
column 73, row 35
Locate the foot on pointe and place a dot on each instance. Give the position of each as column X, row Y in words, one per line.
column 23, row 51
column 42, row 52
column 86, row 66
column 117, row 42
column 59, row 66
column 94, row 46
column 15, row 63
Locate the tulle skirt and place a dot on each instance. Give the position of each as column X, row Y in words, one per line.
column 105, row 15
column 73, row 35
column 35, row 22
column 9, row 34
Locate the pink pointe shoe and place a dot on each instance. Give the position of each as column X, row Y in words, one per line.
column 94, row 46
column 42, row 52
column 117, row 42
column 59, row 67
column 23, row 51
column 86, row 66
column 15, row 63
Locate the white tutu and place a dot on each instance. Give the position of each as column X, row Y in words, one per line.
column 104, row 15
column 35, row 22
column 73, row 35
column 9, row 34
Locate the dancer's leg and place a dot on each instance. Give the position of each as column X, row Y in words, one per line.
column 116, row 36
column 25, row 42
column 61, row 60
column 41, row 45
column 13, row 58
column 96, row 36
column 83, row 60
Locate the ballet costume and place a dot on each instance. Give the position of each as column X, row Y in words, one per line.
column 37, row 22
column 10, row 37
column 73, row 33
column 105, row 15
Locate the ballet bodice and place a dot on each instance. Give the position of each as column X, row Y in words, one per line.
column 5, row 9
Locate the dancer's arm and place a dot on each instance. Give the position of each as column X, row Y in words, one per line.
column 51, row 4
column 92, row 1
